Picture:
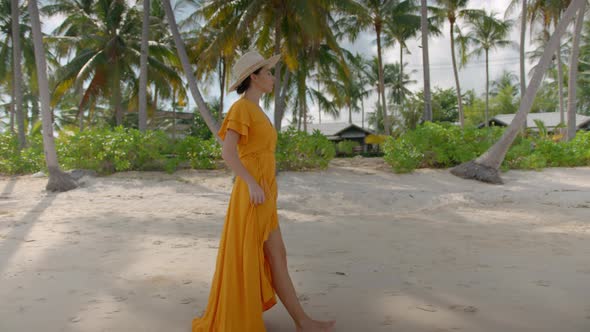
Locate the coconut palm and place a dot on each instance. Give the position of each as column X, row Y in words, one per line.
column 425, row 60
column 453, row 11
column 201, row 105
column 106, row 34
column 485, row 168
column 281, row 26
column 487, row 33
column 547, row 13
column 373, row 16
column 58, row 181
column 522, row 53
column 14, row 32
column 573, row 75
column 145, row 35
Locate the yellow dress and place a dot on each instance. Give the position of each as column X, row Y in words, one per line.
column 242, row 285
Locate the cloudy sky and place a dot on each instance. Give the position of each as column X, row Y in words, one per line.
column 471, row 77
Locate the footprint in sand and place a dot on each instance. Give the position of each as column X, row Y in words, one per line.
column 543, row 283
column 187, row 300
column 120, row 298
column 303, row 298
column 387, row 321
column 458, row 307
column 426, row 307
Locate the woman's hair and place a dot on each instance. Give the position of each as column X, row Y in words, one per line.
column 246, row 83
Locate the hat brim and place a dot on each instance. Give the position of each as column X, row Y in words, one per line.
column 271, row 62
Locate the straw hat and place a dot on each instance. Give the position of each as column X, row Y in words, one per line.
column 247, row 64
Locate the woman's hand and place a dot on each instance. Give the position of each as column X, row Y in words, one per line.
column 256, row 193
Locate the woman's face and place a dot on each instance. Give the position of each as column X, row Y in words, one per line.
column 264, row 80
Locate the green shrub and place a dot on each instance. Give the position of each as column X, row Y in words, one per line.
column 29, row 160
column 441, row 145
column 200, row 153
column 346, row 147
column 301, row 151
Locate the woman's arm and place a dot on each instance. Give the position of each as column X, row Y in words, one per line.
column 229, row 153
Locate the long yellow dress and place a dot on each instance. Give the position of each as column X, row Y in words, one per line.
column 242, row 285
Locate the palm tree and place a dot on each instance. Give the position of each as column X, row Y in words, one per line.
column 361, row 68
column 573, row 75
column 58, row 181
column 108, row 47
column 15, row 32
column 374, row 15
column 454, row 10
column 523, row 20
column 201, row 105
column 425, row 60
column 145, row 35
column 485, row 168
column 506, row 79
column 487, row 33
column 548, row 12
column 403, row 23
column 17, row 76
column 280, row 26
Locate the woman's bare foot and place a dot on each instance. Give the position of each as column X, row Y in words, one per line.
column 311, row 325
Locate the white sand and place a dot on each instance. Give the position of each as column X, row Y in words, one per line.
column 374, row 250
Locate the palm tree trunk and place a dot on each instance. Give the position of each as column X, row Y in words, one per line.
column 116, row 97
column 426, row 61
column 363, row 113
column 58, row 181
column 386, row 124
column 221, row 88
column 522, row 48
column 319, row 106
column 34, row 111
column 145, row 35
column 17, row 75
column 12, row 111
column 487, row 115
column 401, row 75
column 485, row 168
column 278, row 112
column 173, row 115
column 573, row 75
column 560, row 86
column 456, row 72
column 201, row 105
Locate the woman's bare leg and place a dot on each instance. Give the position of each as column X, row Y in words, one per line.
column 274, row 249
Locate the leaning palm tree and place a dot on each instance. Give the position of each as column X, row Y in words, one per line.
column 201, row 105
column 486, row 167
column 454, row 10
column 487, row 33
column 58, row 181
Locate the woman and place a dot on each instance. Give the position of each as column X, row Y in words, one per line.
column 251, row 262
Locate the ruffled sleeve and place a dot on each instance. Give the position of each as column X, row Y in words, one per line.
column 237, row 119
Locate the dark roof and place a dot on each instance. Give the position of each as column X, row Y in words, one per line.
column 333, row 130
column 550, row 119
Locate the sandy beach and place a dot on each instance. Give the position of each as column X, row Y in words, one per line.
column 372, row 249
